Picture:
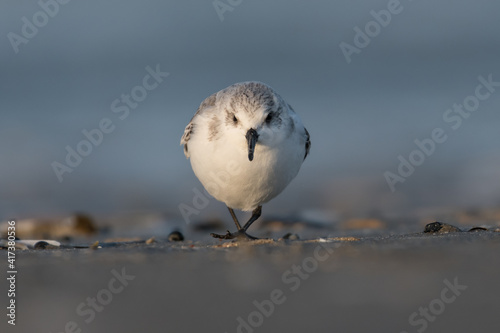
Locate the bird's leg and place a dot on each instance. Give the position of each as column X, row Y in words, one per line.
column 235, row 219
column 242, row 232
column 255, row 215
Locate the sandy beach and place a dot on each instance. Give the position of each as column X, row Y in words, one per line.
column 358, row 281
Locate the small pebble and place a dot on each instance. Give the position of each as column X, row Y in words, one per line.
column 151, row 240
column 42, row 245
column 84, row 224
column 94, row 246
column 476, row 229
column 440, row 228
column 290, row 236
column 175, row 236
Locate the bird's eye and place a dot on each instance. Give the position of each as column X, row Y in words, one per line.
column 269, row 117
column 235, row 120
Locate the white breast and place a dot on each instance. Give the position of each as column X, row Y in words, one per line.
column 222, row 166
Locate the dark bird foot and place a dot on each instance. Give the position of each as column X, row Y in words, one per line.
column 239, row 235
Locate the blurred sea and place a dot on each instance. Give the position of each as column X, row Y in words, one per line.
column 361, row 115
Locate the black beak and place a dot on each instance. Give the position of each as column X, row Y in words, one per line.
column 251, row 137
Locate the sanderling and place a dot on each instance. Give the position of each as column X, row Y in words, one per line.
column 246, row 144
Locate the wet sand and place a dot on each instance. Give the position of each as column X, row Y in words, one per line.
column 358, row 282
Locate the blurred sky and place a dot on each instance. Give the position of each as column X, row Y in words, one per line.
column 361, row 115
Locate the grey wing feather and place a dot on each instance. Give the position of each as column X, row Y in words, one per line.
column 308, row 143
column 308, row 137
column 185, row 137
column 208, row 102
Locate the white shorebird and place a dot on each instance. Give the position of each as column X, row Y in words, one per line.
column 246, row 144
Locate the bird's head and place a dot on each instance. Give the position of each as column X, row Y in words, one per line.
column 258, row 115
